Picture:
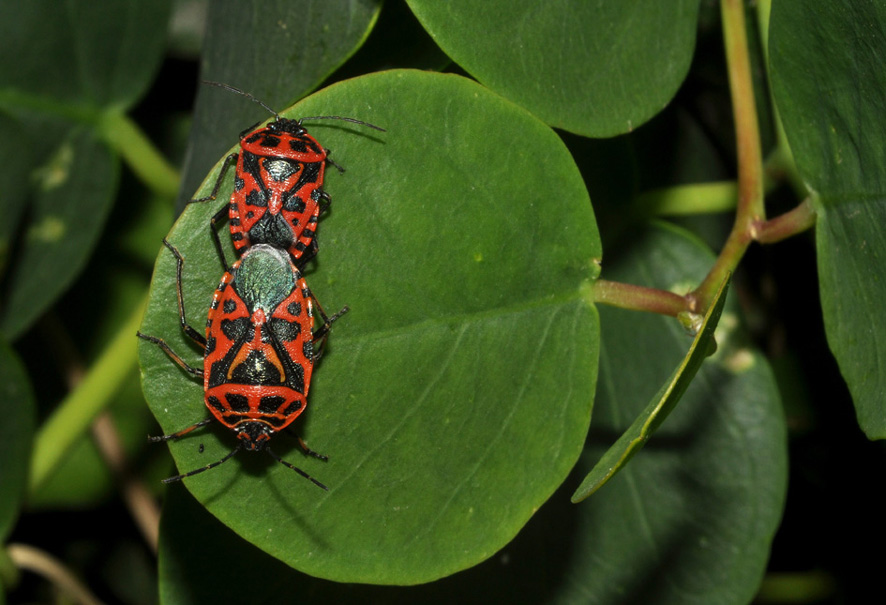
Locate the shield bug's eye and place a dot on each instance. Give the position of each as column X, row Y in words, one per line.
column 280, row 170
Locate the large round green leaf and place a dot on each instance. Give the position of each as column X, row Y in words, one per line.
column 594, row 68
column 828, row 80
column 277, row 51
column 455, row 396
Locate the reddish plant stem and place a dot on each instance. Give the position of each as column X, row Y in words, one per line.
column 639, row 298
column 788, row 224
column 750, row 210
column 750, row 218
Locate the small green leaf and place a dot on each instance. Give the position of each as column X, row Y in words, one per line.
column 664, row 402
column 283, row 50
column 455, row 396
column 828, row 80
column 16, row 434
column 594, row 68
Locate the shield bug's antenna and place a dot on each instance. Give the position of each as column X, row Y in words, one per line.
column 241, row 92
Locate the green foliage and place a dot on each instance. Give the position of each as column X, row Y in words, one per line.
column 834, row 112
column 476, row 380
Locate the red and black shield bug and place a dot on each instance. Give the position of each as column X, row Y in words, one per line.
column 278, row 192
column 260, row 350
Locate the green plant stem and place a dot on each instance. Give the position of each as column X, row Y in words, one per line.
column 127, row 139
column 788, row 224
column 74, row 415
column 750, row 209
column 639, row 298
column 696, row 198
column 114, row 127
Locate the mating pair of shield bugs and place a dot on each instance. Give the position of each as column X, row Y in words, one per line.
column 260, row 343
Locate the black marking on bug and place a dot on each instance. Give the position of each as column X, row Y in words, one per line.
column 237, row 402
column 230, row 306
column 257, row 198
column 292, row 203
column 269, row 140
column 236, row 329
column 286, row 331
column 269, row 404
column 256, row 369
column 299, row 145
column 252, row 138
column 292, row 408
column 215, row 403
column 294, row 308
column 238, row 183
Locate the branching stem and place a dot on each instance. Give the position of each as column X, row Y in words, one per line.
column 750, row 217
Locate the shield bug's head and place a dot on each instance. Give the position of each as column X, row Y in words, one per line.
column 254, row 436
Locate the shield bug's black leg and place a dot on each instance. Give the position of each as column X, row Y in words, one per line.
column 295, row 468
column 181, row 433
column 172, row 354
column 203, row 468
column 231, row 159
column 190, row 331
column 321, row 333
